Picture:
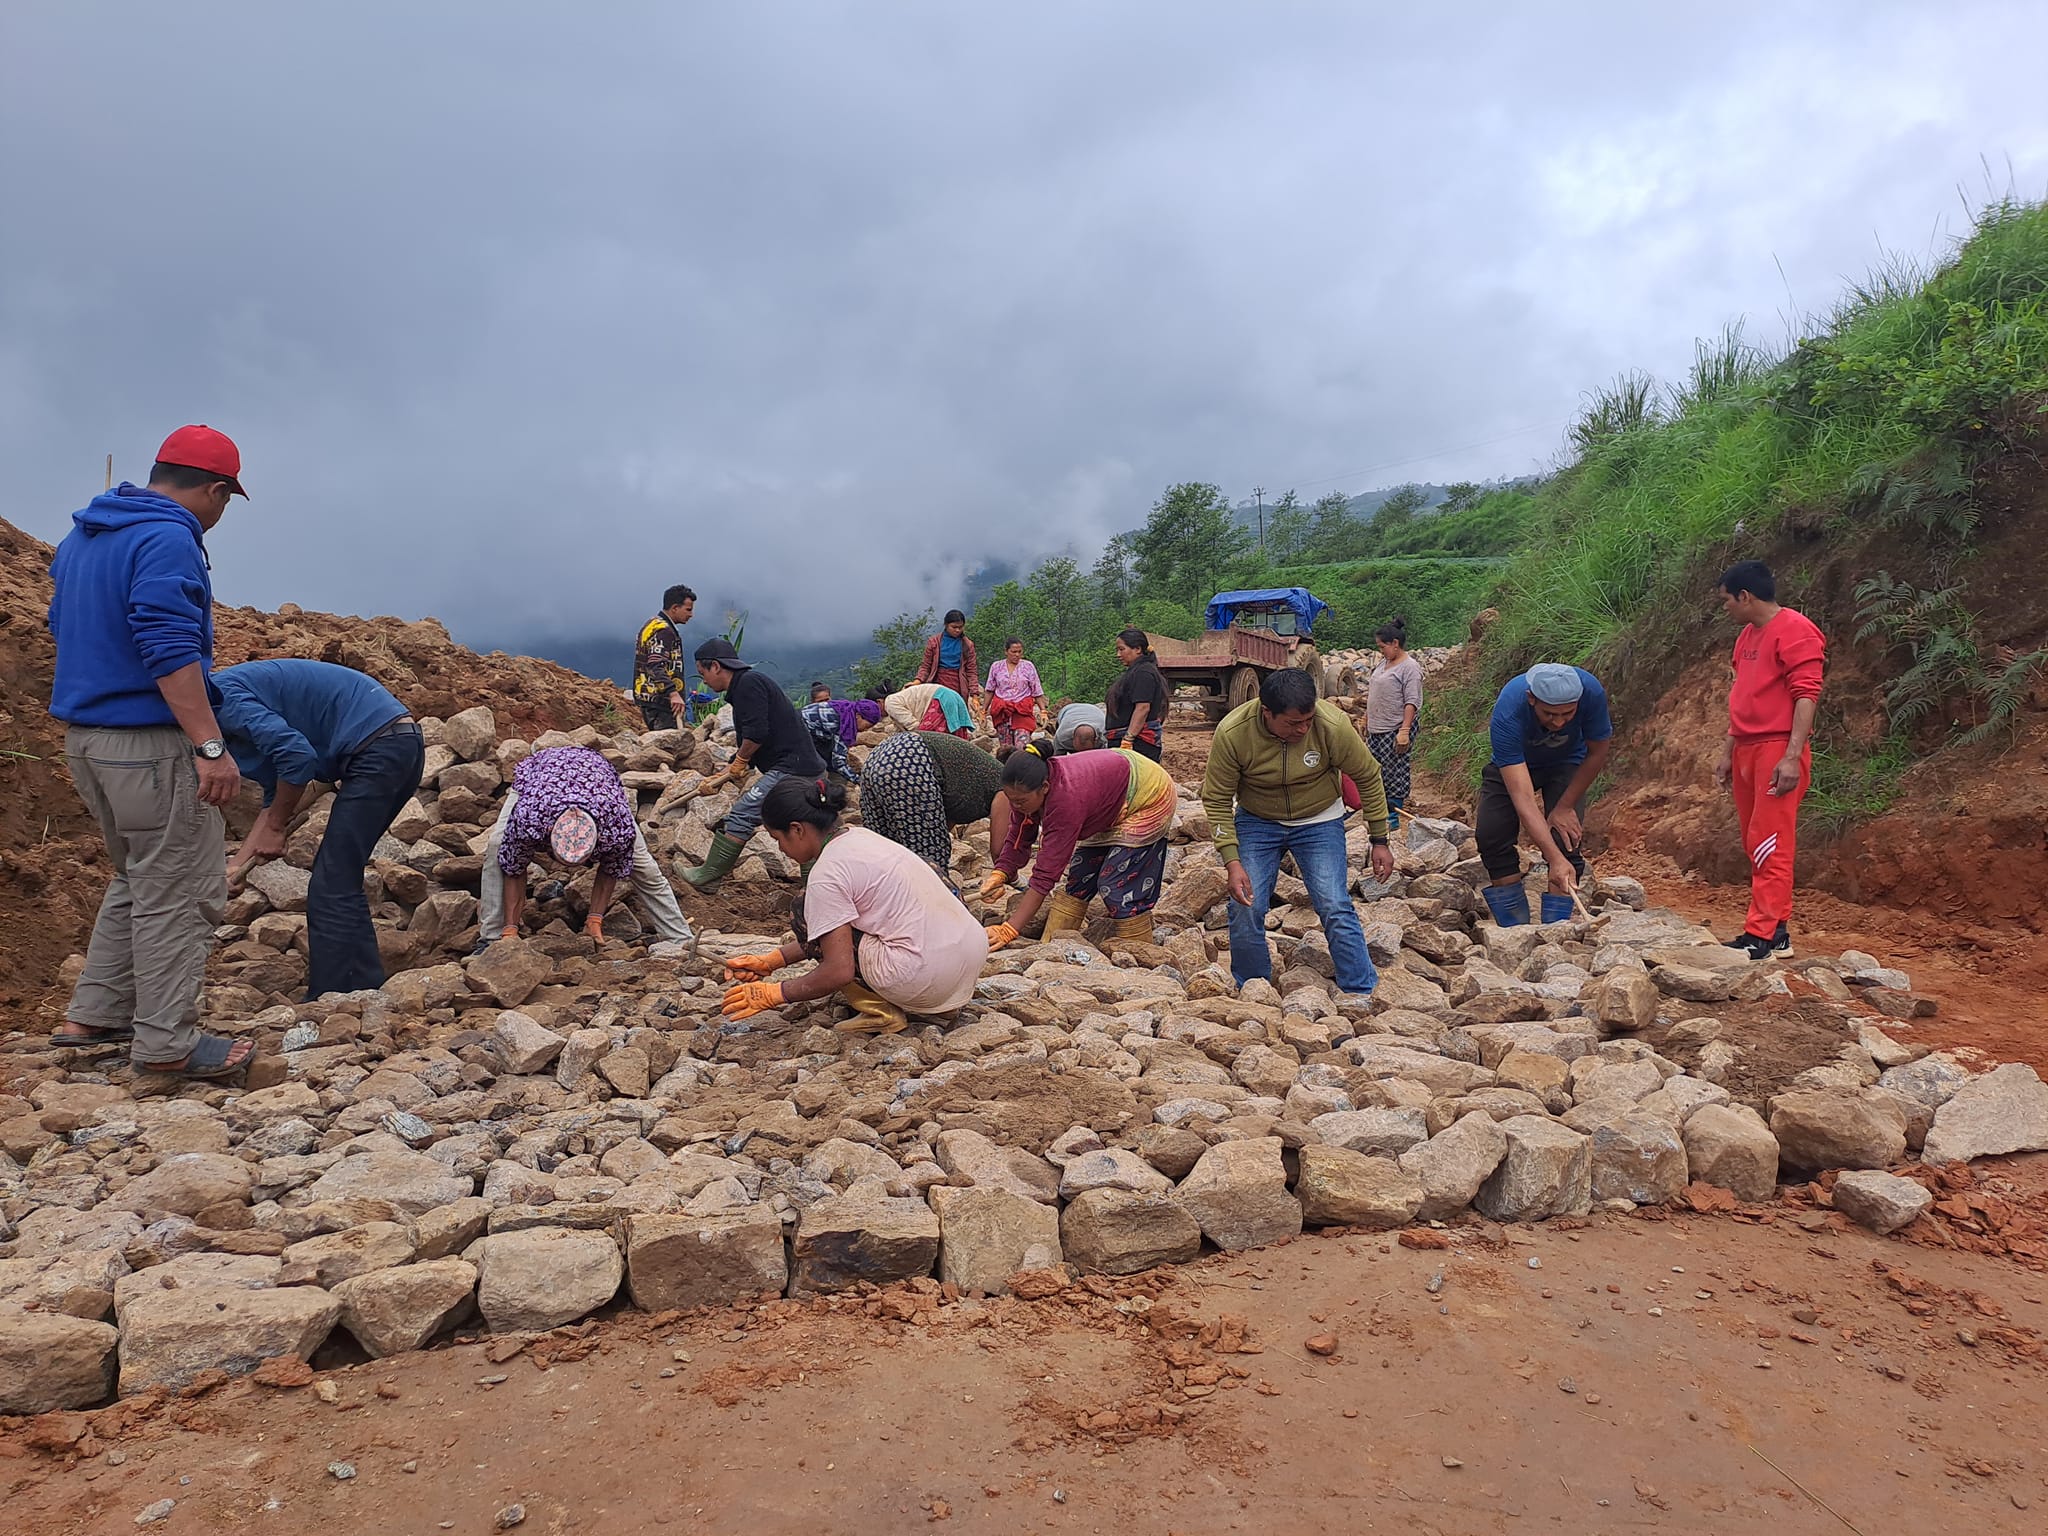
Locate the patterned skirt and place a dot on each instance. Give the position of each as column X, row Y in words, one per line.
column 1393, row 763
column 1128, row 878
column 902, row 799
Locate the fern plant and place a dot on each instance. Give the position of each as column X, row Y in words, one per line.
column 1939, row 634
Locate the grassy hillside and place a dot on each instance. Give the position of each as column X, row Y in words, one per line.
column 1889, row 428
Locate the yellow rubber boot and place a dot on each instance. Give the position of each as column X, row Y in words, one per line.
column 1133, row 930
column 873, row 1014
column 1064, row 914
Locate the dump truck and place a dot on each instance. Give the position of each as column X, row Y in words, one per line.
column 1250, row 634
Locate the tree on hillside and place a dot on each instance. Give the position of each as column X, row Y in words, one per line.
column 900, row 644
column 1461, row 496
column 1112, row 575
column 1287, row 530
column 1333, row 533
column 1399, row 509
column 1061, row 591
column 1185, row 544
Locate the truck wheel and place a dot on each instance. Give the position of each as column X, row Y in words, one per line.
column 1243, row 687
column 1309, row 660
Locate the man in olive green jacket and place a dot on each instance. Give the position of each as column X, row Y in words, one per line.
column 1275, row 785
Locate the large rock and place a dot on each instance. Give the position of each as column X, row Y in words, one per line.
column 169, row 1337
column 1189, row 898
column 2005, row 1110
column 703, row 1261
column 1638, row 1156
column 1341, row 1188
column 337, row 1256
column 1238, row 1194
column 246, row 1271
column 1384, row 1132
column 969, row 1154
column 584, row 1049
column 471, row 735
column 849, row 1238
column 543, row 1277
column 67, row 1107
column 49, row 1361
column 1400, row 987
column 524, row 1044
column 1454, row 1163
column 1838, row 1128
column 186, row 1185
column 509, row 971
column 1548, row 1171
column 987, row 1235
column 1110, row 1168
column 411, row 1181
column 281, row 884
column 1120, row 1232
column 1624, row 1000
column 1883, row 1202
column 1729, row 1146
column 393, row 1310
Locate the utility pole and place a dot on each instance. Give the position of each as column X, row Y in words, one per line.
column 1259, row 491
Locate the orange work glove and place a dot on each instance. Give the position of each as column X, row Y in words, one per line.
column 999, row 935
column 593, row 925
column 752, row 997
column 509, row 931
column 753, row 967
column 996, row 881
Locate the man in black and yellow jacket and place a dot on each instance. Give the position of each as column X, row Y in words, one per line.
column 658, row 681
column 1275, row 785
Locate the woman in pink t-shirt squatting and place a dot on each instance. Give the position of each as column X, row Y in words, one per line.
column 887, row 934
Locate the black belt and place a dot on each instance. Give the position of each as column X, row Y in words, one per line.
column 388, row 728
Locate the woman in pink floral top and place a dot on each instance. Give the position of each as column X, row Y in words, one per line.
column 548, row 783
column 1015, row 695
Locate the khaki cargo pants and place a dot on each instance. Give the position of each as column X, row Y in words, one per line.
column 147, row 958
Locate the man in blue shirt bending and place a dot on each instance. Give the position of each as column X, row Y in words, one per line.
column 1551, row 736
column 289, row 723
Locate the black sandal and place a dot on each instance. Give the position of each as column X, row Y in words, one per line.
column 89, row 1038
column 209, row 1059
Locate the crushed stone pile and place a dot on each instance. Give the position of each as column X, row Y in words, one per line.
column 514, row 1140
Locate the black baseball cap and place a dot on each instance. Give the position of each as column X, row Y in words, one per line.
column 722, row 652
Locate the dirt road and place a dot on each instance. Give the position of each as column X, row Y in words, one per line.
column 1683, row 1374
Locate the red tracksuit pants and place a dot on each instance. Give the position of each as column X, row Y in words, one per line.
column 1770, row 829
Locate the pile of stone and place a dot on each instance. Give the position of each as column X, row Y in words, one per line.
column 1347, row 673
column 510, row 1141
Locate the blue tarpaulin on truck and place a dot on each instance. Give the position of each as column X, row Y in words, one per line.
column 1224, row 606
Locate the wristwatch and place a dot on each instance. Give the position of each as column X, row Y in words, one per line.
column 212, row 749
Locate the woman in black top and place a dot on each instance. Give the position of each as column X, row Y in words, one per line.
column 1137, row 701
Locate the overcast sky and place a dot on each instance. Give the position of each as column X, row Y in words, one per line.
column 521, row 311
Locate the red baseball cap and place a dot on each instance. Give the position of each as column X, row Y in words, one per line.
column 204, row 448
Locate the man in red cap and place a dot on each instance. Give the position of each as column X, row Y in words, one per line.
column 132, row 612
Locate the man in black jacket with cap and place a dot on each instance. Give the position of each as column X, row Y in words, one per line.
column 772, row 738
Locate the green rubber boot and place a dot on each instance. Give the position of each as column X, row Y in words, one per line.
column 725, row 852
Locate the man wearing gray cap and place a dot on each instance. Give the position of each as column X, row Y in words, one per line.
column 1551, row 736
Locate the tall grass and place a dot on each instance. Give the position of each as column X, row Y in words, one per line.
column 1884, row 414
column 1882, row 417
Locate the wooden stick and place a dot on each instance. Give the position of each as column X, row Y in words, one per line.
column 110, row 472
column 1817, row 1499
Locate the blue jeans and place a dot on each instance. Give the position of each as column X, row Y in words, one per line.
column 1319, row 854
column 744, row 819
column 376, row 782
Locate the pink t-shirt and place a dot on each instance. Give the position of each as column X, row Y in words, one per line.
column 919, row 946
column 1014, row 684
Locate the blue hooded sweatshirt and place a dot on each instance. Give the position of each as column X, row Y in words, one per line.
column 133, row 602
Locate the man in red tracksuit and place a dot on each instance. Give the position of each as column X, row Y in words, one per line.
column 1765, row 759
